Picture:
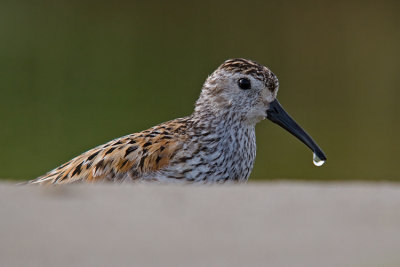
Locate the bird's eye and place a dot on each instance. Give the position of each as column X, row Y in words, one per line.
column 244, row 83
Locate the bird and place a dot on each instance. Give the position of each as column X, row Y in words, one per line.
column 215, row 144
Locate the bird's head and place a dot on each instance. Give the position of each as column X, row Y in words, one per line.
column 241, row 87
column 245, row 91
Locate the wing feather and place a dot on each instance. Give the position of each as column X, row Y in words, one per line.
column 128, row 157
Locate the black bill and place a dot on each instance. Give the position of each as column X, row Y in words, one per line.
column 278, row 115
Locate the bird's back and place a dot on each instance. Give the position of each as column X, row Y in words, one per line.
column 126, row 158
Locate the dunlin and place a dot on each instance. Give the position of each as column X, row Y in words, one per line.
column 215, row 144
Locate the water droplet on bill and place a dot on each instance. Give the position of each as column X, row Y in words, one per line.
column 317, row 161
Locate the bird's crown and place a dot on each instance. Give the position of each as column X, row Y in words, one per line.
column 250, row 67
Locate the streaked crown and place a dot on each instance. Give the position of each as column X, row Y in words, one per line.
column 249, row 67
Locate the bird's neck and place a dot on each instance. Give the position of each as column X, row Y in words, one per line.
column 227, row 142
column 220, row 122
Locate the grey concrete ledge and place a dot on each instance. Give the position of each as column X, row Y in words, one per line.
column 258, row 224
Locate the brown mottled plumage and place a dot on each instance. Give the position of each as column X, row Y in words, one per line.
column 215, row 144
column 139, row 153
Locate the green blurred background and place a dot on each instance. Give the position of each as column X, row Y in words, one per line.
column 75, row 74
